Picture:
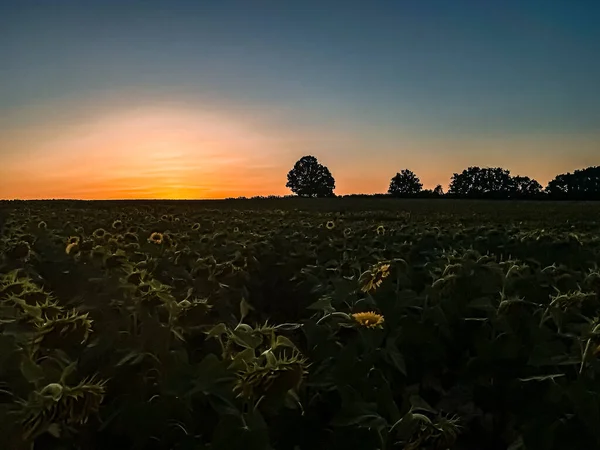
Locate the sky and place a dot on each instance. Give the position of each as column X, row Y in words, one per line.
column 210, row 99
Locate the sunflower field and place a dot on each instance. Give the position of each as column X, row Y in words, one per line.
column 291, row 325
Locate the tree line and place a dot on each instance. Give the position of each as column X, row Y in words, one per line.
column 309, row 178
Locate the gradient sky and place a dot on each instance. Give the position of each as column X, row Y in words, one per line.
column 209, row 99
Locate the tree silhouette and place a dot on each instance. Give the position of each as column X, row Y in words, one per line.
column 526, row 187
column 581, row 184
column 308, row 178
column 405, row 183
column 438, row 191
column 482, row 182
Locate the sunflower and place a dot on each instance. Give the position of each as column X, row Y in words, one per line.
column 73, row 240
column 156, row 238
column 348, row 232
column 369, row 319
column 73, row 248
column 330, row 225
column 42, row 225
column 196, row 226
column 99, row 233
column 372, row 278
column 117, row 225
column 130, row 238
column 380, row 230
column 236, row 230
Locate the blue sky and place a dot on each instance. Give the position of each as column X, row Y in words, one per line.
column 379, row 71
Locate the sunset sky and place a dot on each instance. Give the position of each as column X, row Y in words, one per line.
column 211, row 99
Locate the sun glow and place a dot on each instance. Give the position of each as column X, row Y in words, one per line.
column 144, row 153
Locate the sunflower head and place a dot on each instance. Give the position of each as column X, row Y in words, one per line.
column 19, row 250
column 72, row 248
column 64, row 330
column 236, row 230
column 42, row 225
column 57, row 403
column 330, row 225
column 117, row 225
column 380, row 230
column 73, row 240
column 369, row 319
column 271, row 377
column 99, row 233
column 196, row 226
column 156, row 238
column 130, row 238
column 371, row 279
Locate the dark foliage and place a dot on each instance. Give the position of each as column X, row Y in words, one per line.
column 579, row 185
column 308, row 178
column 405, row 184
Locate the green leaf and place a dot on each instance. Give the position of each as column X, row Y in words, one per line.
column 217, row 330
column 282, row 341
column 31, row 371
column 394, row 355
column 419, row 404
column 246, row 339
column 245, row 309
column 243, row 357
column 323, row 304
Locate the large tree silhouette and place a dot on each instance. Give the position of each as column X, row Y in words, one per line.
column 581, row 184
column 482, row 182
column 308, row 178
column 405, row 183
column 526, row 187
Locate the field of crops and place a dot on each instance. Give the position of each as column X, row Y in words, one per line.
column 300, row 324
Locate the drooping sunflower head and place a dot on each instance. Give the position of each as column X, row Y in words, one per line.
column 380, row 230
column 73, row 240
column 61, row 404
column 236, row 230
column 369, row 319
column 72, row 249
column 64, row 330
column 271, row 377
column 330, row 225
column 196, row 226
column 19, row 250
column 42, row 225
column 156, row 238
column 372, row 278
column 117, row 225
column 130, row 238
column 99, row 233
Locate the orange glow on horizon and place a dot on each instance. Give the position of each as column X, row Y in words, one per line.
column 183, row 153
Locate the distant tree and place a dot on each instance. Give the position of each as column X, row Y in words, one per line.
column 405, row 183
column 526, row 187
column 581, row 184
column 482, row 182
column 308, row 178
column 438, row 191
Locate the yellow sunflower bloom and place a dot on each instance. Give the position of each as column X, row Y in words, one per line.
column 372, row 278
column 156, row 238
column 369, row 319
